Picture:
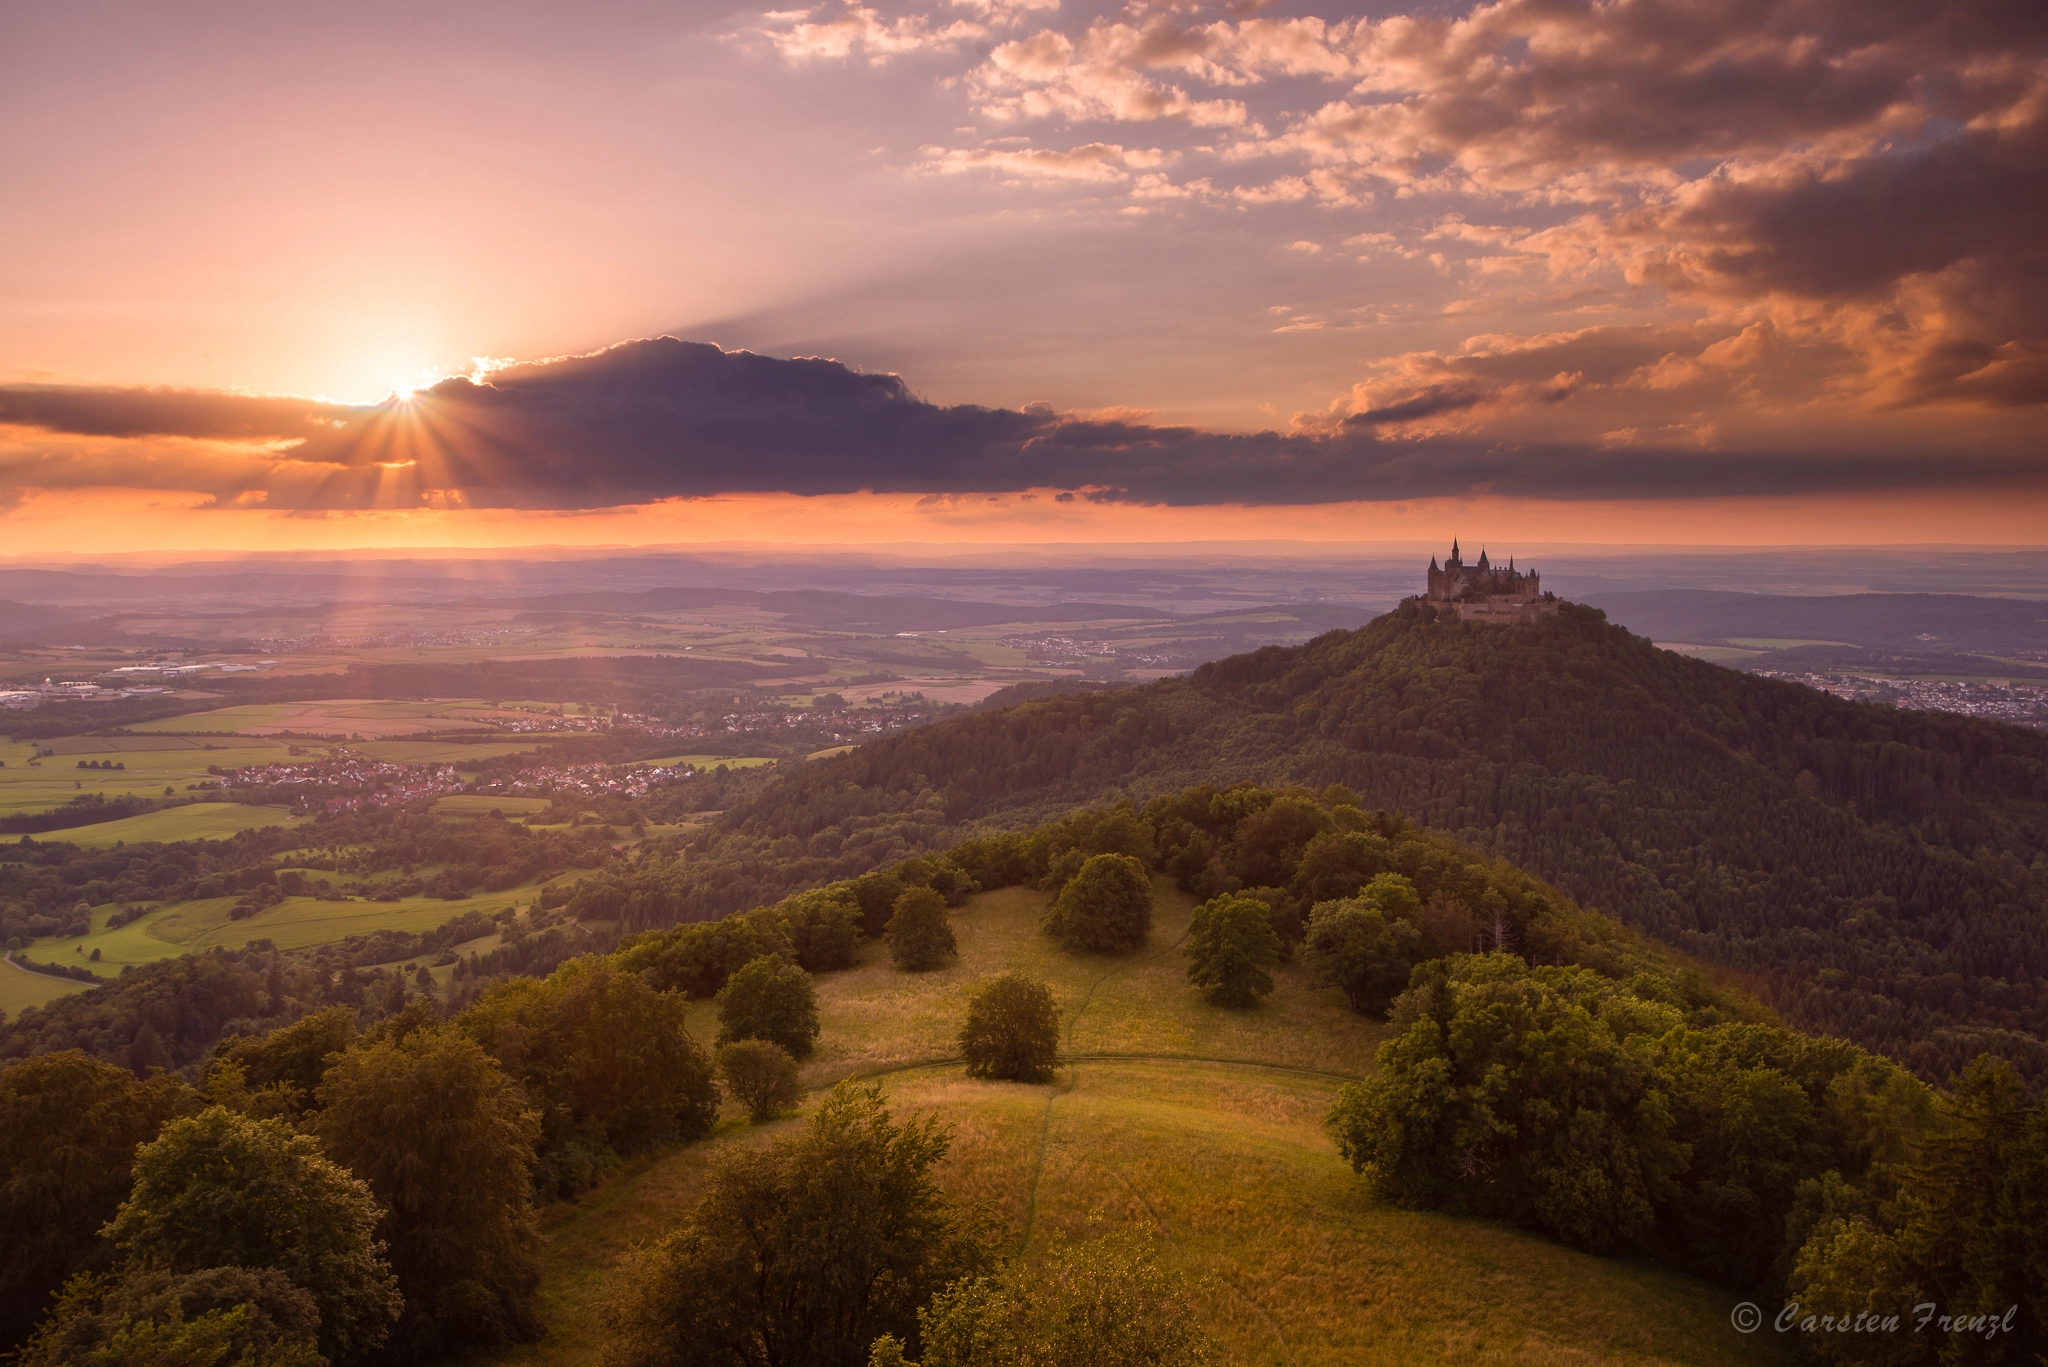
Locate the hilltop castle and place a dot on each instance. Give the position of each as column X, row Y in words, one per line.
column 1485, row 592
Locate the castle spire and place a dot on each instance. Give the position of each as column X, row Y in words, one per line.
column 1455, row 558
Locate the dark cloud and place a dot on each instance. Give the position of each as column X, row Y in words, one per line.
column 145, row 412
column 663, row 418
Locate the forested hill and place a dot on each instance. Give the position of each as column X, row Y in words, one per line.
column 1874, row 873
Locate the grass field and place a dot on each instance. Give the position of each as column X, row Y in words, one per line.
column 28, row 784
column 20, row 988
column 295, row 923
column 478, row 804
column 371, row 720
column 440, row 751
column 1203, row 1124
column 708, row 761
column 195, row 821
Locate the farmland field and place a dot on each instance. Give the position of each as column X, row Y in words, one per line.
column 153, row 763
column 370, row 719
column 479, row 804
column 20, row 988
column 196, row 821
column 458, row 753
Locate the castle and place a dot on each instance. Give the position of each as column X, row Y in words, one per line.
column 1485, row 592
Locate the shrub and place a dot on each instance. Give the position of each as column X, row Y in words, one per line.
column 920, row 937
column 761, row 1076
column 1106, row 1302
column 805, row 1253
column 770, row 998
column 1012, row 1031
column 1106, row 906
column 1230, row 946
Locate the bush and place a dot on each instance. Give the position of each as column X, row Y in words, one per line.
column 761, row 1076
column 1012, row 1031
column 1106, row 906
column 805, row 1253
column 920, row 937
column 1106, row 1302
column 770, row 998
column 1230, row 946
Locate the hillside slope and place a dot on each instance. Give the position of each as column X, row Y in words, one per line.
column 1874, row 873
column 1205, row 1125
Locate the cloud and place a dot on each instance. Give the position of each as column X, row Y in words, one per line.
column 661, row 418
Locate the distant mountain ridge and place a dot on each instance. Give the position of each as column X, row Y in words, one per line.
column 1874, row 873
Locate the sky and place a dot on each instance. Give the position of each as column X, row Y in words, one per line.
column 1677, row 271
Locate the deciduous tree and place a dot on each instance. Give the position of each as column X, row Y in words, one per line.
column 805, row 1253
column 1230, row 946
column 1106, row 906
column 919, row 933
column 1012, row 1031
column 225, row 1190
column 761, row 1076
column 770, row 998
column 445, row 1140
column 69, row 1126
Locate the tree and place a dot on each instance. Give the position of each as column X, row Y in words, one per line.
column 445, row 1140
column 920, row 935
column 69, row 1126
column 1012, row 1031
column 1523, row 1094
column 1106, row 1302
column 225, row 1190
column 289, row 1062
column 1230, row 946
column 1361, row 948
column 232, row 1316
column 1106, row 906
column 761, row 1076
column 804, row 1253
column 770, row 998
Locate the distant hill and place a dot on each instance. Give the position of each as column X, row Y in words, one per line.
column 21, row 620
column 1938, row 623
column 1874, row 873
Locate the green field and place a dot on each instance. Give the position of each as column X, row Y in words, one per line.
column 439, row 751
column 709, row 761
column 1781, row 642
column 331, row 716
column 195, row 821
column 1719, row 655
column 295, row 923
column 1205, row 1125
column 479, row 804
column 29, row 784
column 20, row 988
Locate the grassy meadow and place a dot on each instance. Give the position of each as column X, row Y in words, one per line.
column 371, row 719
column 29, row 783
column 1201, row 1123
column 194, row 821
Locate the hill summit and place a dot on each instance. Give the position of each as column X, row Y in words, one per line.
column 1873, row 873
